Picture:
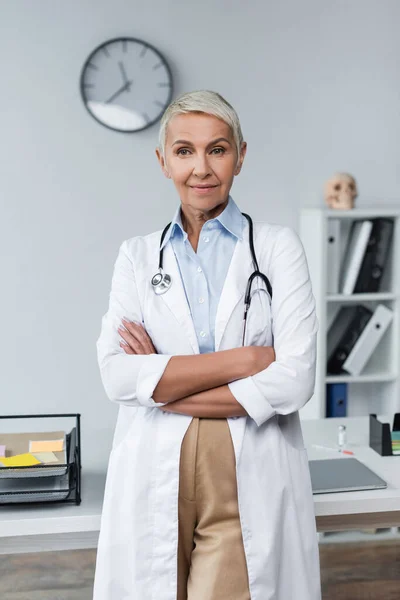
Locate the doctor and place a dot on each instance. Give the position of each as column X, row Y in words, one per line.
column 208, row 493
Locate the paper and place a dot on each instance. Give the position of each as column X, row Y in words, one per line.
column 20, row 460
column 2, row 450
column 46, row 446
column 46, row 457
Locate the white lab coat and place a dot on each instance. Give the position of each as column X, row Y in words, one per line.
column 137, row 550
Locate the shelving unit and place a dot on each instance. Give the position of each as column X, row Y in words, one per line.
column 376, row 389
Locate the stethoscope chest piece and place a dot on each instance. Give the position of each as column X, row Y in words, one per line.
column 161, row 282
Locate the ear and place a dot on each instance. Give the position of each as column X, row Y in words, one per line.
column 243, row 151
column 161, row 160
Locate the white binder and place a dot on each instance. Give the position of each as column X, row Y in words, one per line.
column 333, row 272
column 358, row 242
column 368, row 340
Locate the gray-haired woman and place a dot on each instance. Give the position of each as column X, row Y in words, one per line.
column 208, row 493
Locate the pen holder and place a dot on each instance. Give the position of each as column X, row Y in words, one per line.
column 380, row 438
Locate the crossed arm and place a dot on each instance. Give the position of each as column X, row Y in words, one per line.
column 198, row 385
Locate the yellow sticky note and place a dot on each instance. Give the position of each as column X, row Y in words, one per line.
column 19, row 460
column 46, row 446
column 46, row 457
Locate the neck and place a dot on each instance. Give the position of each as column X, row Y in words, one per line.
column 194, row 219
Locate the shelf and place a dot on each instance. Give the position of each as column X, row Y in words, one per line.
column 377, row 388
column 356, row 213
column 377, row 296
column 371, row 378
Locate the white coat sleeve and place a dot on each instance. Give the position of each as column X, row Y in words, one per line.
column 128, row 379
column 288, row 383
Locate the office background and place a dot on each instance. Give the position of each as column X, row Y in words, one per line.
column 316, row 86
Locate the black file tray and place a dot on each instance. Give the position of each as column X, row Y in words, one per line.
column 380, row 438
column 45, row 486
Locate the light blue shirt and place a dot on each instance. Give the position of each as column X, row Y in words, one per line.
column 203, row 273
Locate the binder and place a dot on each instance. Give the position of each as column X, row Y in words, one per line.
column 368, row 340
column 336, row 399
column 333, row 272
column 355, row 251
column 344, row 333
column 373, row 265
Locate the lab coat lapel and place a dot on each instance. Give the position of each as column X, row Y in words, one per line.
column 175, row 297
column 239, row 271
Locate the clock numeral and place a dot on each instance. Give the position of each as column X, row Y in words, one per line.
column 158, row 103
column 146, row 117
column 158, row 65
column 124, row 45
column 92, row 66
column 106, row 52
column 88, row 85
column 143, row 52
column 164, row 84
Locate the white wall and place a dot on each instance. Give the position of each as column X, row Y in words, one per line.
column 317, row 89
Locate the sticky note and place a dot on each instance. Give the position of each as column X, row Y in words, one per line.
column 46, row 457
column 46, row 446
column 20, row 460
column 2, row 450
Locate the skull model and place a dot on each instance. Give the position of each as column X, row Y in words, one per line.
column 340, row 191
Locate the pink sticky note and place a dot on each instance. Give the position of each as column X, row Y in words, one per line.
column 2, row 450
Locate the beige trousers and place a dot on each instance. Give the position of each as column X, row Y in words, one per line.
column 211, row 558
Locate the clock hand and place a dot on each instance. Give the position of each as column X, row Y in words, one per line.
column 125, row 87
column 121, row 66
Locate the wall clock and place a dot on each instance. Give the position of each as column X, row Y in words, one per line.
column 126, row 84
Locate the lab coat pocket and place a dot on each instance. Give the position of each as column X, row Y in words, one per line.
column 290, row 429
column 125, row 422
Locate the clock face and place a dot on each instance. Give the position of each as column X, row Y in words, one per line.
column 126, row 84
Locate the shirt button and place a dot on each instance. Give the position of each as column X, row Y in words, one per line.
column 201, row 300
column 199, row 269
column 203, row 333
column 206, row 239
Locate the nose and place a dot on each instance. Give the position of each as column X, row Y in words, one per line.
column 201, row 167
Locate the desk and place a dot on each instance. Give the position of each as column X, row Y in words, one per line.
column 354, row 510
column 62, row 527
column 54, row 526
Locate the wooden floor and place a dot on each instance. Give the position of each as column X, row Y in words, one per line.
column 368, row 571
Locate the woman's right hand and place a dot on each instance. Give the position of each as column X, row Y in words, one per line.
column 259, row 358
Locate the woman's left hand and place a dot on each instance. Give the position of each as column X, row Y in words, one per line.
column 137, row 340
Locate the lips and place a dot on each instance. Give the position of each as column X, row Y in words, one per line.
column 203, row 187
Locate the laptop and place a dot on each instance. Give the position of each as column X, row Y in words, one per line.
column 342, row 475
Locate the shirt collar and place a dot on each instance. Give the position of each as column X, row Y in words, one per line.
column 231, row 219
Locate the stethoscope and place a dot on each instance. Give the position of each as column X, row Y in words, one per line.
column 161, row 281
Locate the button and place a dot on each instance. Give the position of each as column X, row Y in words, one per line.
column 199, row 269
column 206, row 239
column 203, row 333
column 201, row 300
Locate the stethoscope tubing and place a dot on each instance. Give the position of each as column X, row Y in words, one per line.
column 161, row 281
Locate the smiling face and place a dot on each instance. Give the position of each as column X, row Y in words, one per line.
column 201, row 159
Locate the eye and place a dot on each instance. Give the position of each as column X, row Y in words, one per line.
column 182, row 150
column 337, row 187
column 222, row 150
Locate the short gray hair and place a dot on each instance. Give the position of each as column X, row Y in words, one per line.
column 202, row 101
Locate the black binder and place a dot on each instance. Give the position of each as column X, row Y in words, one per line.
column 343, row 334
column 373, row 265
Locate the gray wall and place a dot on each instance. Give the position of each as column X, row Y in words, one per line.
column 317, row 89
